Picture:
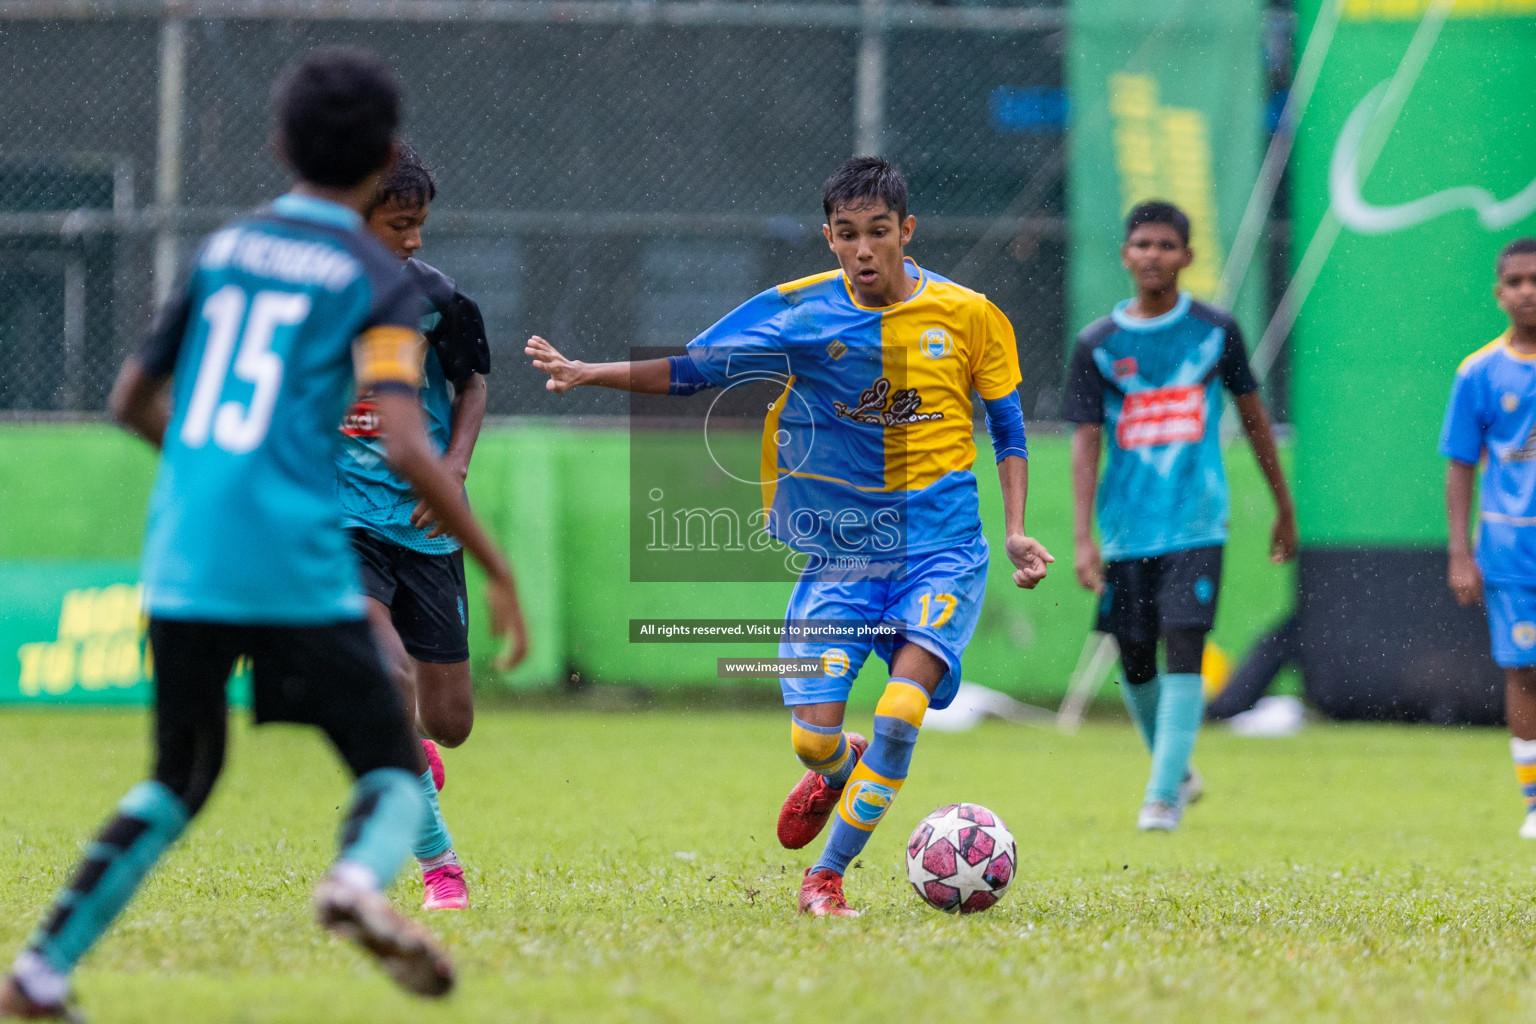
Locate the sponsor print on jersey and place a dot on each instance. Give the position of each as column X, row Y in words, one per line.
column 1526, row 452
column 873, row 407
column 362, row 420
column 1160, row 416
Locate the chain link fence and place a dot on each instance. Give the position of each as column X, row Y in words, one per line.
column 611, row 174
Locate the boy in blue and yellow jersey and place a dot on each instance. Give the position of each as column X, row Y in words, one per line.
column 869, row 450
column 413, row 573
column 244, row 554
column 1152, row 373
column 1492, row 417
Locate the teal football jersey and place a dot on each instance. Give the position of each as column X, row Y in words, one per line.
column 1155, row 387
column 282, row 308
column 373, row 496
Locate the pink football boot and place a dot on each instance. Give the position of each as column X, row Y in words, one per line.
column 444, row 889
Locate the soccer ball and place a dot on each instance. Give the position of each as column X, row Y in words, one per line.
column 961, row 858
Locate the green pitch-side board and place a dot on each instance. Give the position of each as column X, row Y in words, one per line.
column 74, row 631
column 75, row 635
column 1166, row 104
column 1413, row 164
column 73, row 498
column 1405, row 292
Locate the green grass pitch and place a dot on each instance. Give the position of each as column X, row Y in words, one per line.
column 623, row 868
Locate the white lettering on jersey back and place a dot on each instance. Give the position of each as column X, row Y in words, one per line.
column 282, row 259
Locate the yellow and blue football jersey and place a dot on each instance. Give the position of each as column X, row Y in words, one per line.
column 1492, row 411
column 869, row 448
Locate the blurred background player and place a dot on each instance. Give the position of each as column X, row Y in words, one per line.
column 413, row 572
column 243, row 554
column 886, row 356
column 1152, row 372
column 1492, row 415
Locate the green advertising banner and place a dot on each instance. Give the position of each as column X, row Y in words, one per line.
column 1414, row 163
column 72, row 632
column 1166, row 103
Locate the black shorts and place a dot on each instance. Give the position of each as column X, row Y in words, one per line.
column 425, row 595
column 327, row 676
column 1144, row 598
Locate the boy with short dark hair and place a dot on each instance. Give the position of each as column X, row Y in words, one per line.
column 1152, row 372
column 1492, row 416
column 243, row 555
column 885, row 357
column 413, row 572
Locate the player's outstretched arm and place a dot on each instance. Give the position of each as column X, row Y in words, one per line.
column 646, row 376
column 1028, row 555
column 410, row 453
column 1087, row 439
column 1284, row 536
column 1465, row 579
column 139, row 402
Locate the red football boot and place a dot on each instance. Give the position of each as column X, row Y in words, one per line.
column 810, row 803
column 821, row 895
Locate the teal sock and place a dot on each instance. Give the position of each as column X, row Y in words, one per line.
column 382, row 822
column 149, row 819
column 1180, row 707
column 433, row 839
column 1141, row 702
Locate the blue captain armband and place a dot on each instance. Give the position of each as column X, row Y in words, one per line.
column 1005, row 423
column 685, row 377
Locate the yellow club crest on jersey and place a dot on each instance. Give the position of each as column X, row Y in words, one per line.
column 835, row 663
column 1510, row 401
column 837, row 350
column 1524, row 635
column 936, row 343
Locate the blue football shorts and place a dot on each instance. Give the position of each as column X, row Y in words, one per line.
column 1512, row 623
column 939, row 602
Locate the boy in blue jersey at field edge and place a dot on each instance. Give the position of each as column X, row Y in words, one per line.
column 243, row 553
column 413, row 573
column 882, row 358
column 1152, row 373
column 1492, row 417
